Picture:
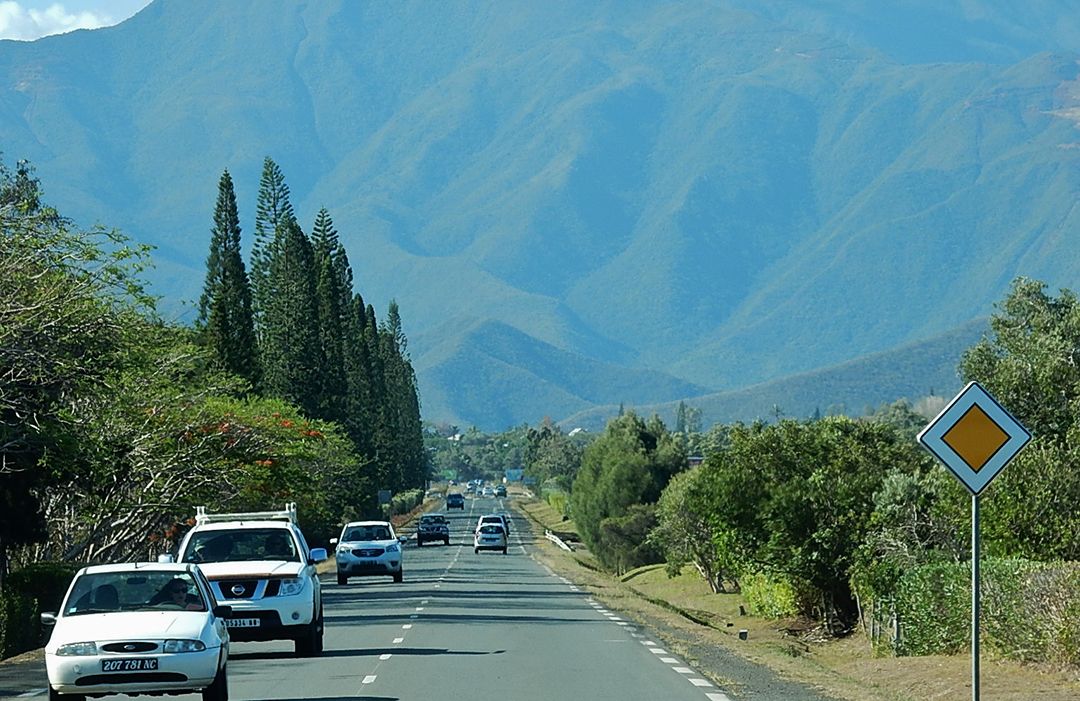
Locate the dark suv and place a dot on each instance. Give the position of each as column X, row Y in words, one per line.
column 455, row 501
column 433, row 527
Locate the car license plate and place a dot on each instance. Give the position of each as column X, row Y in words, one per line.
column 368, row 563
column 242, row 622
column 129, row 664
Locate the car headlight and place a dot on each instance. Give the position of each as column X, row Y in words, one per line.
column 73, row 649
column 392, row 548
column 183, row 646
column 290, row 587
column 343, row 548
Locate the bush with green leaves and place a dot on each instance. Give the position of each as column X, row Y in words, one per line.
column 768, row 596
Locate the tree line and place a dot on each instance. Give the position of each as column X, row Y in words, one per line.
column 114, row 424
column 847, row 521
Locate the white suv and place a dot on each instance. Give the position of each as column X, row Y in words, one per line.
column 368, row 548
column 260, row 565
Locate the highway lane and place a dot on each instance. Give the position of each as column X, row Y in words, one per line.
column 464, row 625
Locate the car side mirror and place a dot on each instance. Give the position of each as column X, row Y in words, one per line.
column 333, row 541
column 166, row 558
column 48, row 619
column 222, row 611
column 403, row 538
column 318, row 555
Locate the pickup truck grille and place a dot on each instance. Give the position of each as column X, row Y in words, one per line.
column 238, row 588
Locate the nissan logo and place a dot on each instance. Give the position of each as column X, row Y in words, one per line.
column 237, row 589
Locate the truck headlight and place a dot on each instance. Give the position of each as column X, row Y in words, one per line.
column 183, row 646
column 77, row 649
column 290, row 587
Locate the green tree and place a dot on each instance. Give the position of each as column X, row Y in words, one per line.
column 330, row 291
column 1031, row 364
column 629, row 464
column 64, row 297
column 225, row 317
column 291, row 354
column 273, row 211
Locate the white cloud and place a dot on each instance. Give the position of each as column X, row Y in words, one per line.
column 18, row 22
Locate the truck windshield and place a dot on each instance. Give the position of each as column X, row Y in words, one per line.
column 241, row 544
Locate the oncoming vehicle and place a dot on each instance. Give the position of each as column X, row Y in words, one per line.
column 138, row 628
column 260, row 564
column 367, row 549
column 500, row 491
column 490, row 536
column 455, row 500
column 432, row 527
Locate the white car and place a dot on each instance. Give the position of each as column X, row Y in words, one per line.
column 489, row 536
column 367, row 549
column 138, row 628
column 260, row 565
column 501, row 519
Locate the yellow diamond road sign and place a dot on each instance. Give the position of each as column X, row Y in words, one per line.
column 975, row 437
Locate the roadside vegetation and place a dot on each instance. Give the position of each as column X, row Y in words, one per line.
column 845, row 523
column 114, row 424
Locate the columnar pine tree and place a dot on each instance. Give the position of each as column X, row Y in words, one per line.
column 291, row 354
column 273, row 210
column 404, row 401
column 329, row 282
column 225, row 317
column 360, row 413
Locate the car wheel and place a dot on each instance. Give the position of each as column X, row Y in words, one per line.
column 419, row 543
column 308, row 644
column 57, row 696
column 504, row 551
column 342, row 579
column 446, row 541
column 399, row 576
column 219, row 688
column 476, row 551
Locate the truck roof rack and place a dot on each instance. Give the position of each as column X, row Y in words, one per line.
column 286, row 514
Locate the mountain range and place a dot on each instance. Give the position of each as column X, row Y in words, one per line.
column 578, row 205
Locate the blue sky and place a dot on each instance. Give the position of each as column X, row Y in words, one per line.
column 32, row 19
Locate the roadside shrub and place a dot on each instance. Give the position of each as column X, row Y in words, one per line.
column 1030, row 609
column 559, row 502
column 769, row 597
column 27, row 592
column 404, row 502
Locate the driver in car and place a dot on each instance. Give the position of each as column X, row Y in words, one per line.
column 176, row 592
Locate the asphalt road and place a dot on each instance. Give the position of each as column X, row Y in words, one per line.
column 482, row 626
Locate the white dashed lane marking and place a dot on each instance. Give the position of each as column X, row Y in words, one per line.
column 398, row 640
column 719, row 696
column 384, row 656
column 698, row 681
column 368, row 679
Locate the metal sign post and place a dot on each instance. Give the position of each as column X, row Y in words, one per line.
column 975, row 437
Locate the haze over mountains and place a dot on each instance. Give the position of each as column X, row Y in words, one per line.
column 582, row 204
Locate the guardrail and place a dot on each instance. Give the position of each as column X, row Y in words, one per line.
column 558, row 541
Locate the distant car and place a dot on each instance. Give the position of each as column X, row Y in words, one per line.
column 488, row 492
column 138, row 628
column 489, row 536
column 501, row 519
column 455, row 500
column 432, row 527
column 368, row 549
column 500, row 491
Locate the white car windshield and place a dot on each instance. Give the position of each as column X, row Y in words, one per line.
column 241, row 544
column 359, row 533
column 134, row 591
